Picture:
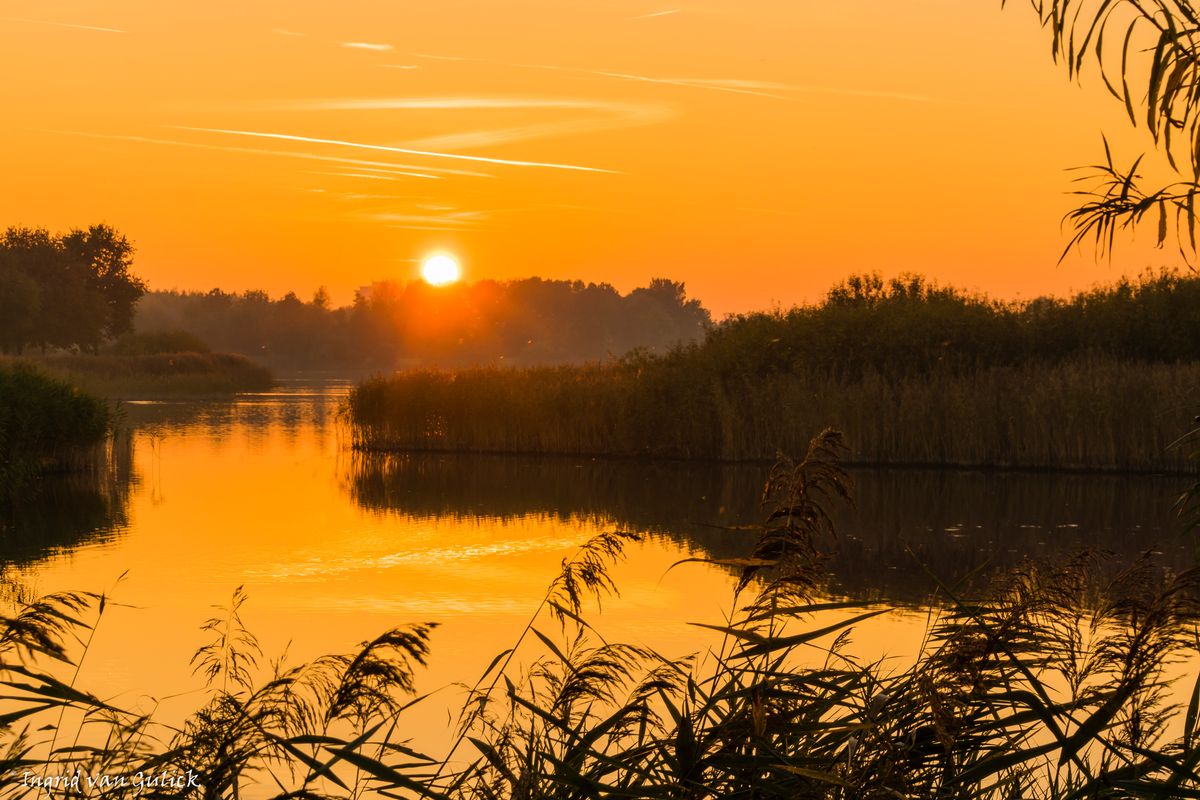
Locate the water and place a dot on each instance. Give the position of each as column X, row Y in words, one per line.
column 334, row 547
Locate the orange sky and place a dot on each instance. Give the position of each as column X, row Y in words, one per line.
column 759, row 151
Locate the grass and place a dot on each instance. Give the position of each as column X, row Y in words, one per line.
column 1051, row 684
column 46, row 425
column 160, row 374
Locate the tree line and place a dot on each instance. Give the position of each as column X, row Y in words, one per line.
column 391, row 324
column 71, row 290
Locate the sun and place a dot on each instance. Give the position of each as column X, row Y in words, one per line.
column 440, row 269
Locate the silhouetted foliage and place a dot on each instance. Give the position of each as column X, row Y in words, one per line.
column 45, row 423
column 531, row 321
column 908, row 324
column 71, row 290
column 917, row 373
column 156, row 343
column 1148, row 56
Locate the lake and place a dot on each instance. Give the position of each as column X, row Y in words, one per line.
column 333, row 547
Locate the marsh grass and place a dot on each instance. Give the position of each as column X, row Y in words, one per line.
column 158, row 374
column 1049, row 685
column 919, row 373
column 1074, row 414
column 46, row 425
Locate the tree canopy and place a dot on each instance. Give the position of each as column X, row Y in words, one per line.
column 71, row 290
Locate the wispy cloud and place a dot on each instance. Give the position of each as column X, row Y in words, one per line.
column 609, row 116
column 403, row 150
column 768, row 89
column 64, row 25
column 376, row 46
column 488, row 137
column 286, row 32
column 712, row 85
column 357, row 197
column 393, row 176
column 718, row 85
column 665, row 13
column 383, row 170
column 771, row 89
column 435, row 57
column 444, row 103
column 401, row 66
column 457, row 219
column 350, row 162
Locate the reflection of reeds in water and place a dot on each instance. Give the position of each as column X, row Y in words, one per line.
column 1073, row 414
column 62, row 511
column 647, row 495
column 1050, row 685
column 953, row 522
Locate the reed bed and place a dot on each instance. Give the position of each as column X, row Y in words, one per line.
column 158, row 374
column 920, row 374
column 1052, row 685
column 1089, row 413
column 46, row 425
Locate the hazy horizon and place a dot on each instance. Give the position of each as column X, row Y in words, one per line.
column 758, row 153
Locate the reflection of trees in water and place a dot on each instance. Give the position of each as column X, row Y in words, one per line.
column 70, row 510
column 952, row 522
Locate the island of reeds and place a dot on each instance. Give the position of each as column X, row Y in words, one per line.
column 915, row 373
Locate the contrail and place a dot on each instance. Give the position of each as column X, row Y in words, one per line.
column 285, row 153
column 64, row 25
column 385, row 148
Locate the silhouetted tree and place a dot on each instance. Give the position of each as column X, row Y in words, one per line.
column 530, row 321
column 71, row 290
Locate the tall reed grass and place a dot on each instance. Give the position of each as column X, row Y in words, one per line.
column 1084, row 413
column 920, row 374
column 46, row 425
column 1052, row 685
column 158, row 374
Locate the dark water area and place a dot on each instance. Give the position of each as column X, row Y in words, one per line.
column 905, row 526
